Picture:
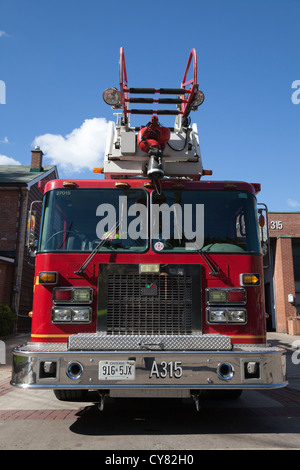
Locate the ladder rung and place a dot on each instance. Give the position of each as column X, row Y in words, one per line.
column 141, row 100
column 173, row 91
column 151, row 111
column 145, row 91
column 141, row 111
column 160, row 100
column 169, row 111
column 162, row 91
column 171, row 101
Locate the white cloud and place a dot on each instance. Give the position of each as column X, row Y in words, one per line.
column 83, row 148
column 4, row 160
column 293, row 203
column 4, row 141
column 2, row 33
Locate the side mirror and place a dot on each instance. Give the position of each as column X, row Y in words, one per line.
column 31, row 228
column 264, row 233
column 31, row 240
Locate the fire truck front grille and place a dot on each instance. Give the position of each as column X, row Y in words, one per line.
column 130, row 303
column 149, row 304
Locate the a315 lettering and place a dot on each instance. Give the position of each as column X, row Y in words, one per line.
column 166, row 369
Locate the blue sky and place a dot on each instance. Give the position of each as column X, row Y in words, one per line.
column 57, row 57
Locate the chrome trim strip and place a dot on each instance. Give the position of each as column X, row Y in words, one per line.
column 153, row 387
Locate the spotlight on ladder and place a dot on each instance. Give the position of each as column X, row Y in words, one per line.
column 111, row 97
column 198, row 99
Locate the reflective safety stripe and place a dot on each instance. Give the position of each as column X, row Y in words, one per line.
column 248, row 336
column 51, row 336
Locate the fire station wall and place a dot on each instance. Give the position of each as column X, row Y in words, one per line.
column 284, row 231
column 6, row 282
column 10, row 204
column 9, row 218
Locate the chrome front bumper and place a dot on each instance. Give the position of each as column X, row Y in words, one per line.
column 157, row 372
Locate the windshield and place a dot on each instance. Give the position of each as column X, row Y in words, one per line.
column 78, row 219
column 214, row 221
column 181, row 221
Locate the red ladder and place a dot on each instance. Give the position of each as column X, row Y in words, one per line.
column 183, row 102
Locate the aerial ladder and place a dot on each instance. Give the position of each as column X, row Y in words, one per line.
column 153, row 150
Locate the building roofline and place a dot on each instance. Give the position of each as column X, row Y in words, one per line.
column 35, row 177
column 6, row 259
column 42, row 176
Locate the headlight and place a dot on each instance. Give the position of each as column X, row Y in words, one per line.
column 61, row 315
column 81, row 314
column 226, row 315
column 72, row 315
column 236, row 316
column 217, row 316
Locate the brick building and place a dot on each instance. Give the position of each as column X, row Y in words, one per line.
column 282, row 278
column 18, row 189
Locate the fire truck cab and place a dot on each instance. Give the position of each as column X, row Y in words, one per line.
column 149, row 282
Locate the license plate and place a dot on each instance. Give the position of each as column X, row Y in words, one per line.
column 116, row 370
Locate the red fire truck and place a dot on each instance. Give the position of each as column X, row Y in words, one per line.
column 149, row 282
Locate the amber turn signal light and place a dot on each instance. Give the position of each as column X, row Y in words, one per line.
column 250, row 279
column 48, row 277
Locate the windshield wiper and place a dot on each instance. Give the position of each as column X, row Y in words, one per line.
column 215, row 270
column 84, row 265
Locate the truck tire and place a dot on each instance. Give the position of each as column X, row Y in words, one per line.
column 70, row 395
